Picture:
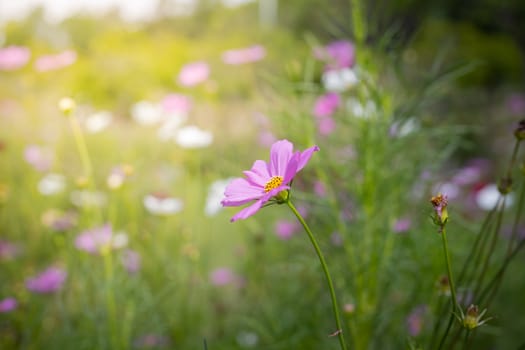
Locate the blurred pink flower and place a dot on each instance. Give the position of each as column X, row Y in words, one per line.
column 336, row 239
column 516, row 104
column 176, row 103
column 326, row 126
column 194, row 73
column 266, row 180
column 8, row 250
column 131, row 261
column 222, row 276
column 151, row 341
column 320, row 189
column 8, row 304
column 49, row 281
column 266, row 138
column 38, row 157
column 326, row 105
column 245, row 55
column 52, row 62
column 338, row 54
column 286, row 229
column 93, row 240
column 415, row 320
column 13, row 57
column 402, row 225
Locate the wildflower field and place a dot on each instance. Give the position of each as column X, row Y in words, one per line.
column 333, row 177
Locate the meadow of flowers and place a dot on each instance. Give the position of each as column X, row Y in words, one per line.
column 169, row 185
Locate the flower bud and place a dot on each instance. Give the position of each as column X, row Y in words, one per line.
column 439, row 203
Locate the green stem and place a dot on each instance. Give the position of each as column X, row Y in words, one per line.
column 451, row 283
column 81, row 146
column 110, row 300
column 326, row 273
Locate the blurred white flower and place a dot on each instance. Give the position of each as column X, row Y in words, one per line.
column 98, row 121
column 450, row 189
column 193, row 137
column 147, row 113
column 401, row 129
column 247, row 339
column 215, row 195
column 170, row 128
column 86, row 198
column 119, row 240
column 51, row 184
column 339, row 80
column 360, row 110
column 160, row 204
column 488, row 196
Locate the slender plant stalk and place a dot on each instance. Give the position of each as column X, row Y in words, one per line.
column 326, row 273
column 81, row 147
column 452, row 287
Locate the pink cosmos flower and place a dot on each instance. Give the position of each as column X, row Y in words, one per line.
column 131, row 261
column 246, row 55
column 338, row 54
column 13, row 57
column 194, row 73
column 8, row 304
column 53, row 62
column 177, row 103
column 326, row 105
column 265, row 181
column 48, row 281
column 222, row 276
column 93, row 240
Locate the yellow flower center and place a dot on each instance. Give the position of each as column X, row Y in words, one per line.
column 273, row 183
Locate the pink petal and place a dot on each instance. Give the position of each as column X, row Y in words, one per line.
column 258, row 175
column 280, row 155
column 249, row 211
column 239, row 192
column 305, row 157
column 291, row 169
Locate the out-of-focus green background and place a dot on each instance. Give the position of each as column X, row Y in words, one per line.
column 445, row 82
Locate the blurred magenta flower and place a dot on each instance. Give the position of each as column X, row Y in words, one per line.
column 162, row 204
column 326, row 126
column 151, row 341
column 131, row 261
column 223, row 276
column 402, row 225
column 265, row 181
column 8, row 305
column 176, row 103
column 245, row 55
column 193, row 74
column 8, row 250
column 516, row 104
column 286, row 229
column 326, row 105
column 13, row 57
column 320, row 188
column 95, row 240
column 38, row 157
column 58, row 220
column 49, row 281
column 415, row 320
column 337, row 55
column 52, row 62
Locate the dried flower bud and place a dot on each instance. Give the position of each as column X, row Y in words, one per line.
column 473, row 318
column 439, row 203
column 505, row 185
